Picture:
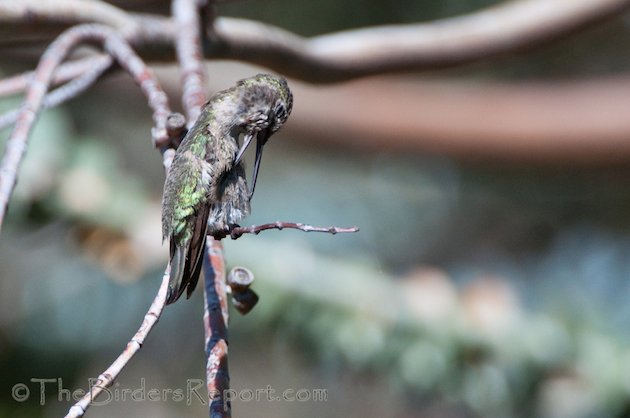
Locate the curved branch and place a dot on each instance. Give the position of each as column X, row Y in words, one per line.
column 16, row 144
column 505, row 28
column 442, row 43
column 51, row 59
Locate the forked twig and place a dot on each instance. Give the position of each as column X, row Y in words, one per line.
column 66, row 91
column 114, row 45
column 106, row 379
column 65, row 72
column 16, row 144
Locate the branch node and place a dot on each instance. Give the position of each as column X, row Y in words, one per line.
column 176, row 128
column 239, row 280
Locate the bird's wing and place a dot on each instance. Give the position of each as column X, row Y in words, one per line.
column 187, row 206
column 186, row 260
column 196, row 251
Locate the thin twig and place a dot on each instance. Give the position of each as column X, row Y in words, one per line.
column 106, row 379
column 66, row 91
column 238, row 231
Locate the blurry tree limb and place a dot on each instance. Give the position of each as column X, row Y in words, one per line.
column 415, row 47
column 107, row 378
column 507, row 27
column 571, row 122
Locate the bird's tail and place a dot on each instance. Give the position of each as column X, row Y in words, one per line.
column 186, row 262
column 178, row 264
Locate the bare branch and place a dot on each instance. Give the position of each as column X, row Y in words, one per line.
column 190, row 56
column 215, row 321
column 106, row 379
column 67, row 91
column 16, row 144
column 239, row 231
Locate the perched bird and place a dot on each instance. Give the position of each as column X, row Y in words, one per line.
column 206, row 191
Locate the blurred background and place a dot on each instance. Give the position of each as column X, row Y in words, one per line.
column 489, row 278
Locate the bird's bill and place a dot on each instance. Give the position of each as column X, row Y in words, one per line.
column 260, row 141
column 246, row 141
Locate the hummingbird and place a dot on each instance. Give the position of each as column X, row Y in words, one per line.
column 206, row 190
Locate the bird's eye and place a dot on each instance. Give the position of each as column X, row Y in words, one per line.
column 280, row 111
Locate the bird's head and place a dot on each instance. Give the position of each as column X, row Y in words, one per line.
column 268, row 101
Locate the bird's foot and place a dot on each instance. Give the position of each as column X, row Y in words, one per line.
column 235, row 231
